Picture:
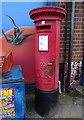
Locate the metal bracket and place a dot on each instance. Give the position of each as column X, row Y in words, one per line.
column 59, row 83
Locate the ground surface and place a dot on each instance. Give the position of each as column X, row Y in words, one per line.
column 69, row 106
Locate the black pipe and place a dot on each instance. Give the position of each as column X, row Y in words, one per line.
column 66, row 31
column 83, row 66
column 51, row 3
column 68, row 88
column 65, row 42
column 82, row 82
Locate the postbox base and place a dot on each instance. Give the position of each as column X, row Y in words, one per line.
column 46, row 101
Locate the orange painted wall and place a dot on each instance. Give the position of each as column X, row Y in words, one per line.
column 23, row 54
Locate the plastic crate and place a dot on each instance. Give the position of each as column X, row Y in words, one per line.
column 6, row 62
column 13, row 94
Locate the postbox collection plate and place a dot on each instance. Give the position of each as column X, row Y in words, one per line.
column 43, row 42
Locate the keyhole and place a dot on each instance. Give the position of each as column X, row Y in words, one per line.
column 53, row 60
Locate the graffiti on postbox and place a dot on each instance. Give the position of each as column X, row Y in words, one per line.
column 7, row 107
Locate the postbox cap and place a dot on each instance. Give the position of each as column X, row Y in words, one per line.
column 47, row 11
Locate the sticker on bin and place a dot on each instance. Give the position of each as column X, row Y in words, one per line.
column 7, row 107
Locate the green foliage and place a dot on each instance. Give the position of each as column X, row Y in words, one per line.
column 16, row 38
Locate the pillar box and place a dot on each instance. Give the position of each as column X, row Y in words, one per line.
column 47, row 20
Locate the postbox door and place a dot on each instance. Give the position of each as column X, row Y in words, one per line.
column 46, row 61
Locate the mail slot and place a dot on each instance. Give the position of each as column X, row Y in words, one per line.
column 47, row 20
column 46, row 27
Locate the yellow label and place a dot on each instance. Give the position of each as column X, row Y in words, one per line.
column 6, row 93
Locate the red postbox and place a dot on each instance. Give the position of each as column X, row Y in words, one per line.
column 47, row 20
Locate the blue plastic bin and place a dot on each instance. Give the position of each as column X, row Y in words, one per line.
column 12, row 90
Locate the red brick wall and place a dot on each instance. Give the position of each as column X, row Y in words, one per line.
column 78, row 41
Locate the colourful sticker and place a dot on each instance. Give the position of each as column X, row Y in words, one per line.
column 7, row 107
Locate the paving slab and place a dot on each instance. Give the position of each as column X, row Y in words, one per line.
column 68, row 107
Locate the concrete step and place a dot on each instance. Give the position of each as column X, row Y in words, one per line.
column 80, row 91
